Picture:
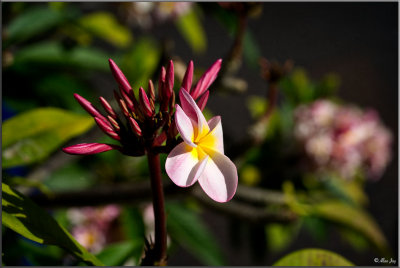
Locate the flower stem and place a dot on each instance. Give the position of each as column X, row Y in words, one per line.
column 160, row 247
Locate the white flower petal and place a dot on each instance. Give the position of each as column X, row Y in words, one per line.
column 191, row 109
column 183, row 165
column 184, row 126
column 215, row 138
column 219, row 179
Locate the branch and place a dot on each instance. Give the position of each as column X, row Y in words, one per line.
column 242, row 207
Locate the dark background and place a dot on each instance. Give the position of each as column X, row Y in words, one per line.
column 358, row 42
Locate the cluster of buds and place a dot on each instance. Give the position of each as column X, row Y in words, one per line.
column 91, row 226
column 343, row 139
column 147, row 121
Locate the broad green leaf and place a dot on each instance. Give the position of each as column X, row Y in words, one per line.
column 32, row 136
column 187, row 229
column 117, row 254
column 313, row 257
column 69, row 178
column 106, row 26
column 53, row 53
column 191, row 29
column 279, row 236
column 33, row 22
column 24, row 217
column 354, row 218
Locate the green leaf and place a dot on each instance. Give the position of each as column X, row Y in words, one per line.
column 187, row 229
column 354, row 218
column 32, row 136
column 53, row 53
column 251, row 50
column 192, row 30
column 69, row 178
column 33, row 22
column 106, row 26
column 140, row 63
column 118, row 253
column 279, row 236
column 24, row 217
column 313, row 257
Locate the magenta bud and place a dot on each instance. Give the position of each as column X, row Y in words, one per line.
column 135, row 127
column 88, row 106
column 119, row 76
column 90, row 148
column 151, row 90
column 188, row 78
column 206, row 79
column 203, row 100
column 144, row 103
column 107, row 129
column 161, row 82
column 128, row 101
column 114, row 123
column 123, row 107
column 108, row 107
column 170, row 78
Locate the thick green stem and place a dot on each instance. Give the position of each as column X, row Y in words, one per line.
column 160, row 246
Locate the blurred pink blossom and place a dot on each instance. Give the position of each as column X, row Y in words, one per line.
column 343, row 138
column 91, row 225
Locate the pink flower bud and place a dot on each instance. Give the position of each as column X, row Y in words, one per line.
column 188, row 78
column 151, row 90
column 170, row 78
column 90, row 148
column 113, row 123
column 107, row 129
column 88, row 106
column 135, row 127
column 161, row 82
column 206, row 80
column 203, row 100
column 108, row 107
column 128, row 101
column 119, row 76
column 144, row 103
column 123, row 107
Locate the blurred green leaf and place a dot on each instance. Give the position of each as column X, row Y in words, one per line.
column 32, row 136
column 313, row 257
column 140, row 63
column 118, row 253
column 256, row 105
column 24, row 217
column 54, row 54
column 33, row 22
column 358, row 241
column 106, row 26
column 349, row 191
column 71, row 177
column 192, row 30
column 280, row 236
column 354, row 218
column 187, row 229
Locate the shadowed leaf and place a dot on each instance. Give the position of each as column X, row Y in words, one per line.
column 313, row 257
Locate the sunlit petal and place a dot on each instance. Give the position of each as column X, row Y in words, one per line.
column 184, row 126
column 183, row 165
column 219, row 179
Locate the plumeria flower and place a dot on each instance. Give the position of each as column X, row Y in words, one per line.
column 200, row 157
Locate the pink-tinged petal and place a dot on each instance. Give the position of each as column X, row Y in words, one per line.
column 202, row 102
column 88, row 106
column 119, row 76
column 219, row 179
column 184, row 125
column 183, row 165
column 191, row 109
column 90, row 148
column 188, row 78
column 215, row 138
column 206, row 79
